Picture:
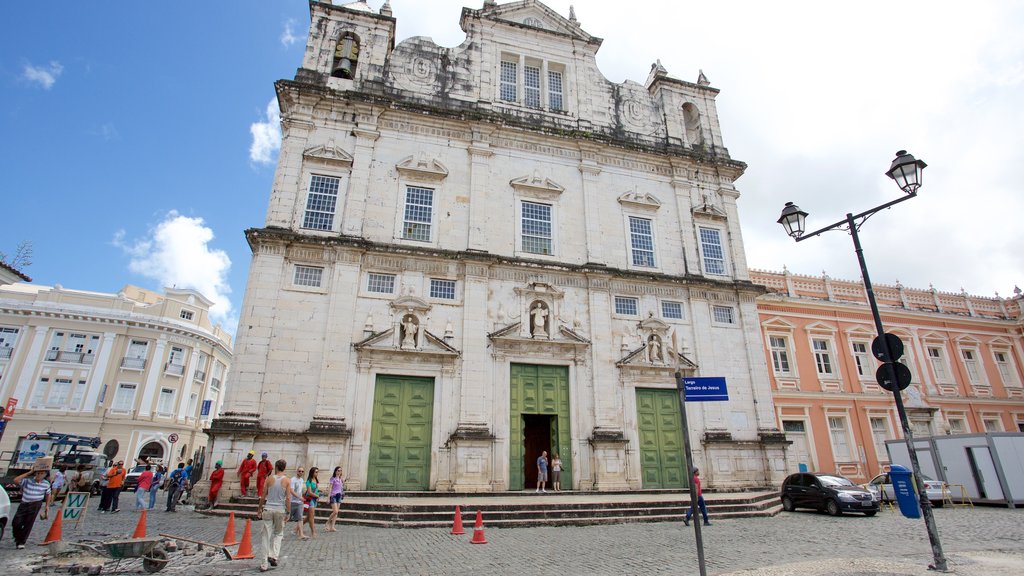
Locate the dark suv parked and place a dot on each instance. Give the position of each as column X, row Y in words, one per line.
column 829, row 492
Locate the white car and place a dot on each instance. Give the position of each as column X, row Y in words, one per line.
column 5, row 511
column 881, row 487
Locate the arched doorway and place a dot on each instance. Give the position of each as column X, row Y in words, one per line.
column 152, row 452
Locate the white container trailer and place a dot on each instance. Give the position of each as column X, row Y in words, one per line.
column 990, row 466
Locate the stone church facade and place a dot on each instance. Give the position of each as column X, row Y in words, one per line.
column 473, row 254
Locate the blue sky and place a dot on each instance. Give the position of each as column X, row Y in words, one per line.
column 138, row 138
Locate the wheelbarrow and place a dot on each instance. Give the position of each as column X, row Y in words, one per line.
column 151, row 550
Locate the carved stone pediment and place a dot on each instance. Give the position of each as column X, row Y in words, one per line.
column 640, row 200
column 411, row 304
column 389, row 342
column 563, row 343
column 640, row 358
column 422, row 168
column 709, row 211
column 536, row 15
column 536, row 186
column 652, row 324
column 328, row 154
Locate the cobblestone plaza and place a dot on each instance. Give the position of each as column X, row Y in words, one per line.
column 978, row 541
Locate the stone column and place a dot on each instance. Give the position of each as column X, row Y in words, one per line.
column 156, row 368
column 100, row 373
column 359, row 183
column 338, row 355
column 681, row 186
column 28, row 368
column 607, row 408
column 285, row 206
column 186, row 385
column 590, row 172
column 476, row 381
column 480, row 158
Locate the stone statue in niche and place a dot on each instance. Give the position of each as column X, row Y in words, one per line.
column 538, row 320
column 409, row 331
column 655, row 353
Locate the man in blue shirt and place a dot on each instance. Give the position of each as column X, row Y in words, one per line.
column 35, row 491
column 542, row 471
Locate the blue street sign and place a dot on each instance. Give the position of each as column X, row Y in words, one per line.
column 205, row 410
column 711, row 389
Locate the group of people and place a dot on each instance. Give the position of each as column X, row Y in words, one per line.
column 542, row 472
column 291, row 499
column 153, row 477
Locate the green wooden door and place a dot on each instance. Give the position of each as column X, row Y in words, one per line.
column 662, row 464
column 539, row 390
column 400, row 434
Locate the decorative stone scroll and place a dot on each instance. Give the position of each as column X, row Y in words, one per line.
column 536, row 186
column 422, row 168
column 328, row 154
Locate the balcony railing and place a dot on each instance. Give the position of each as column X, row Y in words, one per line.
column 70, row 357
column 200, row 375
column 5, row 352
column 174, row 369
column 133, row 363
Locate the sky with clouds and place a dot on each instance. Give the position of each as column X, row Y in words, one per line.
column 139, row 139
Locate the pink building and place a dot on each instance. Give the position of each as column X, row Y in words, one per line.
column 965, row 354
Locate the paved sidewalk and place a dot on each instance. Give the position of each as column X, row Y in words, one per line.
column 977, row 542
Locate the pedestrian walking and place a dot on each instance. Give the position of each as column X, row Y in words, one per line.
column 175, row 484
column 273, row 508
column 297, row 488
column 542, row 471
column 556, row 472
column 245, row 471
column 154, row 486
column 186, row 491
column 142, row 490
column 312, row 496
column 36, row 493
column 336, row 495
column 57, row 484
column 216, row 480
column 263, row 471
column 700, row 501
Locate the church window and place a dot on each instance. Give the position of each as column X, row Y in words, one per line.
column 442, row 289
column 321, row 203
column 723, row 314
column 641, row 241
column 672, row 310
column 555, row 90
column 419, row 213
column 346, row 56
column 310, row 276
column 536, row 228
column 380, row 283
column 531, row 85
column 531, row 82
column 509, row 80
column 626, row 306
column 711, row 246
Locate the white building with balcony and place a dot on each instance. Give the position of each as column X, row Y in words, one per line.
column 132, row 368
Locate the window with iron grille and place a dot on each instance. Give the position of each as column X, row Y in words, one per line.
column 626, row 306
column 380, row 283
column 672, row 310
column 711, row 246
column 723, row 314
column 641, row 240
column 509, row 81
column 443, row 289
column 321, row 203
column 555, row 90
column 536, row 228
column 311, row 276
column 419, row 213
column 531, row 86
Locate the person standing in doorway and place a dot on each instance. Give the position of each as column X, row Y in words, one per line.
column 296, row 489
column 36, row 494
column 337, row 494
column 216, row 480
column 263, row 471
column 556, row 472
column 700, row 500
column 542, row 471
column 245, row 470
column 142, row 490
column 273, row 509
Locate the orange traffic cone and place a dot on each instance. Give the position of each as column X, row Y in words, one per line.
column 457, row 526
column 229, row 533
column 478, row 530
column 140, row 528
column 54, row 535
column 245, row 548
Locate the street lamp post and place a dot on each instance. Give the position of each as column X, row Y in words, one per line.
column 906, row 171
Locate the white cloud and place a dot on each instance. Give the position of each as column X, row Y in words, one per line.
column 177, row 253
column 266, row 136
column 288, row 37
column 45, row 76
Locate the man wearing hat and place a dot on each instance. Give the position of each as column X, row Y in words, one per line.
column 263, row 471
column 216, row 480
column 245, row 471
column 35, row 491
